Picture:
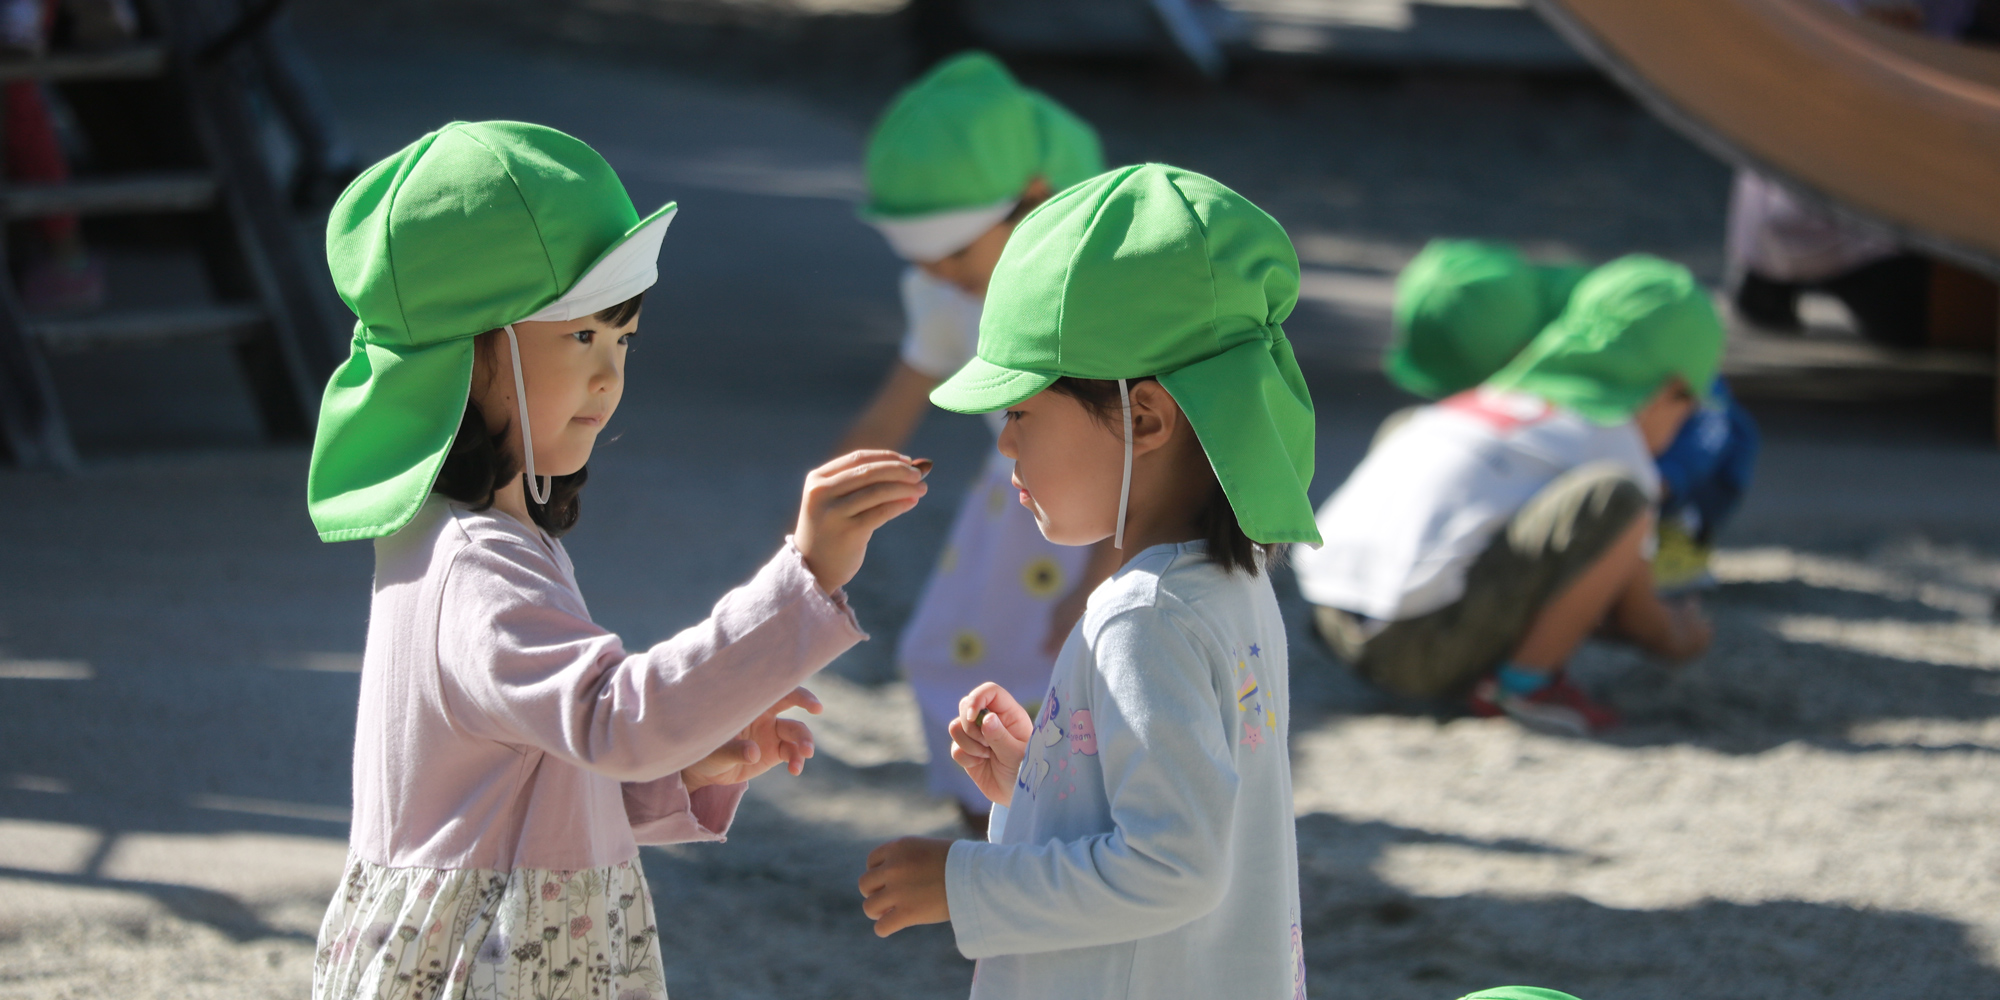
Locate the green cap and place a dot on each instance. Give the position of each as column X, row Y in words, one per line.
column 1155, row 270
column 1464, row 308
column 954, row 150
column 1518, row 993
column 468, row 229
column 1629, row 326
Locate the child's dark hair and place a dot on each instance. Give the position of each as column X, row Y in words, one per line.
column 1228, row 546
column 478, row 464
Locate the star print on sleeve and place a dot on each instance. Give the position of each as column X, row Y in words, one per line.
column 1254, row 651
column 1253, row 735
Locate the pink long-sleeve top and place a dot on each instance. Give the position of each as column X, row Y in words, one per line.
column 501, row 728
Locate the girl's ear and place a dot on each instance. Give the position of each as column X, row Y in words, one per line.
column 1156, row 417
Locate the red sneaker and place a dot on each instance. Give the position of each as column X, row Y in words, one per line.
column 1560, row 708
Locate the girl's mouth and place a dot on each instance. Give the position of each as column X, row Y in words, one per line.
column 588, row 421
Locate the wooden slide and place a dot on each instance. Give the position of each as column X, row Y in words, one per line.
column 1897, row 127
column 1894, row 127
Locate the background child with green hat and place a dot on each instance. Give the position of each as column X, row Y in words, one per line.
column 1464, row 308
column 1478, row 543
column 1142, row 842
column 510, row 755
column 958, row 158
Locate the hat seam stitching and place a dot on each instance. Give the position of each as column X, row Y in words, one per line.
column 1069, row 267
column 389, row 230
column 540, row 240
column 1208, row 261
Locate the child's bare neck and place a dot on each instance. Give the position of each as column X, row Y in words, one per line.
column 1169, row 489
column 512, row 500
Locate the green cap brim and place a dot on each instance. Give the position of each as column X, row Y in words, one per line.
column 386, row 423
column 625, row 268
column 982, row 387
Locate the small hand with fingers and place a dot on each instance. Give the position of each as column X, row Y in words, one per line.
column 904, row 884
column 845, row 501
column 764, row 744
column 989, row 738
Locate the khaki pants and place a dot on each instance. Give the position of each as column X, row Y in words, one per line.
column 1550, row 541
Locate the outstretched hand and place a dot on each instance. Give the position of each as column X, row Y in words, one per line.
column 764, row 744
column 989, row 738
column 845, row 501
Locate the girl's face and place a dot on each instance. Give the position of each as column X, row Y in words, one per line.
column 575, row 371
column 1067, row 466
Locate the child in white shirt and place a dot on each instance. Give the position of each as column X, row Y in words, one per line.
column 1487, row 535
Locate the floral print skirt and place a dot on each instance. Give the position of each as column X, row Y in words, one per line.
column 527, row 934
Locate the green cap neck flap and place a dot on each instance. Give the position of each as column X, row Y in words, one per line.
column 1155, row 270
column 1464, row 309
column 1629, row 326
column 953, row 152
column 468, row 229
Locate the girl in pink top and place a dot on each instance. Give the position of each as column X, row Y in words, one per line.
column 510, row 755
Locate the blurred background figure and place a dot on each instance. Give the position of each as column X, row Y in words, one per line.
column 60, row 275
column 959, row 158
column 1465, row 308
column 1780, row 245
column 1483, row 538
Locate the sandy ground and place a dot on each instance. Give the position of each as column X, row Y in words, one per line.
column 1807, row 811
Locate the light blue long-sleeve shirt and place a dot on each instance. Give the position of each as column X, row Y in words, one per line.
column 1149, row 850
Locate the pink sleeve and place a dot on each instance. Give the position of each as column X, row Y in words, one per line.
column 665, row 812
column 525, row 664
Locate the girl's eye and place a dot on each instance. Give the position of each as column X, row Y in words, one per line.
column 584, row 336
column 1012, row 415
column 626, row 340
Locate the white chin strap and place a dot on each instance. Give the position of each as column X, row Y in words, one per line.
column 1125, row 484
column 540, row 487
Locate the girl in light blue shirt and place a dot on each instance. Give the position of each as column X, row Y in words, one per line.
column 1143, row 841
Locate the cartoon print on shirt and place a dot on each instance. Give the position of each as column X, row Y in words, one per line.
column 1270, row 717
column 1082, row 735
column 1047, row 734
column 1250, row 700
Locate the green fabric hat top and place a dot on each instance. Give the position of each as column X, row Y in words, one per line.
column 1464, row 308
column 1518, row 993
column 954, row 150
column 1629, row 325
column 1155, row 270
column 468, row 229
